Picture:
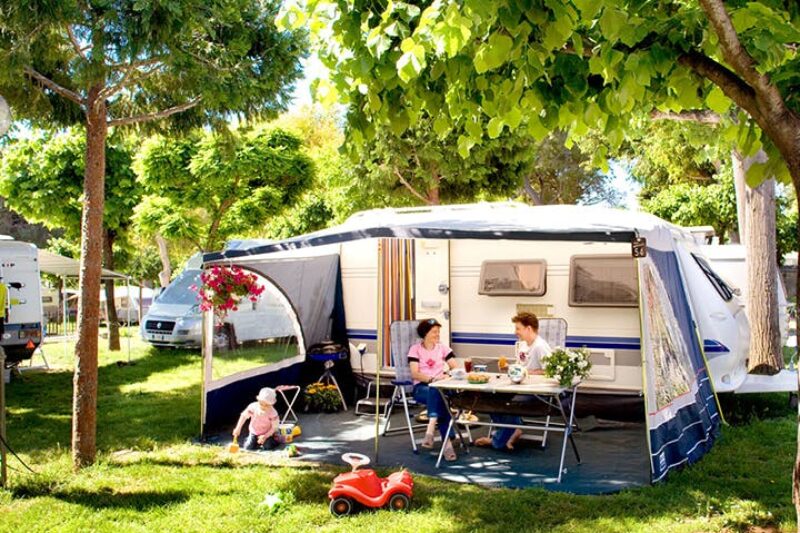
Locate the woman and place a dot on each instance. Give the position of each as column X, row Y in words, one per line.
column 430, row 361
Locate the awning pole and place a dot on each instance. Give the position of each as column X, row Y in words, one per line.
column 64, row 313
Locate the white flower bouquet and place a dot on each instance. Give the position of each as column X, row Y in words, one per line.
column 565, row 365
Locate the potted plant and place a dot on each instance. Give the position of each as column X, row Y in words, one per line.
column 565, row 365
column 324, row 397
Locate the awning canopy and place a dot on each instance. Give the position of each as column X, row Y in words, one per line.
column 66, row 267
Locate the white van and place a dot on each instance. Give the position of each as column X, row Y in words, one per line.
column 174, row 318
column 19, row 271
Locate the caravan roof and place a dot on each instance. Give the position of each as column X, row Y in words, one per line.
column 508, row 220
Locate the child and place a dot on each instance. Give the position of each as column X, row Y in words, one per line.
column 263, row 422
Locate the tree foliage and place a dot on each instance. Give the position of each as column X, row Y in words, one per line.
column 42, row 179
column 480, row 68
column 208, row 187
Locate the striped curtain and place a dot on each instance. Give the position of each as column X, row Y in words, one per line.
column 395, row 289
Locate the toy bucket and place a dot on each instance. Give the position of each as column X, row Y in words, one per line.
column 285, row 432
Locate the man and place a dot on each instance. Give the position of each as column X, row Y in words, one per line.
column 530, row 349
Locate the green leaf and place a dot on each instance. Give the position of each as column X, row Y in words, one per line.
column 513, row 118
column 536, row 129
column 588, row 8
column 465, row 144
column 495, row 127
column 409, row 66
column 493, row 53
column 441, row 126
column 717, row 101
column 612, row 22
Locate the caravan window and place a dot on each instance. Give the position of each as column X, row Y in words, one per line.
column 719, row 284
column 517, row 278
column 603, row 281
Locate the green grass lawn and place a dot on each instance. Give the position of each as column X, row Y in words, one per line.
column 150, row 477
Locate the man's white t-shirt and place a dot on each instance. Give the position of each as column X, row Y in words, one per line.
column 531, row 356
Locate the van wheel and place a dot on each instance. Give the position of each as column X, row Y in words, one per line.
column 341, row 506
column 399, row 502
column 224, row 338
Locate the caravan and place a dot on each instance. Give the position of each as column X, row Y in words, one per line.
column 19, row 272
column 550, row 260
column 664, row 331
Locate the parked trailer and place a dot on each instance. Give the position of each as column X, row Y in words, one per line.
column 542, row 260
column 19, row 272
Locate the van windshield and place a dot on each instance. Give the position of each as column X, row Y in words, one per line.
column 179, row 292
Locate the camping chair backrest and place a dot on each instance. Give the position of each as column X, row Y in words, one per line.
column 554, row 331
column 402, row 335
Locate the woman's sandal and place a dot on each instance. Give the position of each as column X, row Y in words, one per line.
column 427, row 442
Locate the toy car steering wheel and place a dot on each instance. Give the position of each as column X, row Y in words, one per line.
column 355, row 460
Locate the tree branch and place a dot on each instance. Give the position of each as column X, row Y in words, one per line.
column 76, row 44
column 731, row 84
column 698, row 116
column 410, row 188
column 154, row 116
column 736, row 55
column 53, row 86
column 129, row 76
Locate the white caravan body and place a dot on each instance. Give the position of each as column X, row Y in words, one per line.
column 729, row 261
column 19, row 270
column 576, row 267
column 129, row 300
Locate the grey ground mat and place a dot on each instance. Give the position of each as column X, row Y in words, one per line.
column 614, row 457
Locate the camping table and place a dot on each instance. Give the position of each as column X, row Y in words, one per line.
column 542, row 389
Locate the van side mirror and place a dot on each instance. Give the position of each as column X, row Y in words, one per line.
column 737, row 291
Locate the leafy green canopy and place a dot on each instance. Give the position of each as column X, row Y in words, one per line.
column 478, row 68
column 42, row 179
column 208, row 187
column 200, row 60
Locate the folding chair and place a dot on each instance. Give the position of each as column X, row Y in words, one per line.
column 554, row 331
column 402, row 335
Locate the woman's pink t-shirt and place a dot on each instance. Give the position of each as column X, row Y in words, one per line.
column 262, row 422
column 431, row 362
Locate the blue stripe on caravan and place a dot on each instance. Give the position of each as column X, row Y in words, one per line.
column 712, row 346
column 363, row 334
column 573, row 341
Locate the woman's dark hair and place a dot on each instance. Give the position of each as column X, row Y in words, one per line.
column 425, row 326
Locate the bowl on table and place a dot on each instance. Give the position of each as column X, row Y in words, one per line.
column 458, row 373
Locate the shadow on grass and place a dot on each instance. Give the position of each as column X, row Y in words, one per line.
column 105, row 497
column 40, row 406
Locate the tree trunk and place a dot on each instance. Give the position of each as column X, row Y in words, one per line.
column 84, row 413
column 111, row 307
column 166, row 267
column 762, row 282
column 433, row 192
column 531, row 192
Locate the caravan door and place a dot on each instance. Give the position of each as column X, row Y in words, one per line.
column 432, row 282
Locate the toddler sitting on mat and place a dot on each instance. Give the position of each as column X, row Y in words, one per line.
column 263, row 422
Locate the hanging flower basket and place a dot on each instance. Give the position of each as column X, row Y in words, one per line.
column 223, row 288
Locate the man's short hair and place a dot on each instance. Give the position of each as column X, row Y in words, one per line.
column 527, row 319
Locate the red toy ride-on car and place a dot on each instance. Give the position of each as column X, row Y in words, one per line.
column 366, row 488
